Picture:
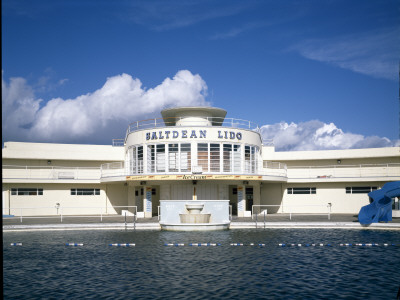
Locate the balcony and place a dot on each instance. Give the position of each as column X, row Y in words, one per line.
column 216, row 121
column 365, row 172
column 49, row 173
column 118, row 169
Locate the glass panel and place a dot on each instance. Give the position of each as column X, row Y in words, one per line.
column 237, row 159
column 214, row 157
column 202, row 156
column 227, row 163
column 133, row 160
column 160, row 159
column 151, row 158
column 247, row 156
column 185, row 159
column 173, row 152
column 140, row 159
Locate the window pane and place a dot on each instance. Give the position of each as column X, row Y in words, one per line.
column 140, row 159
column 214, row 157
column 160, row 158
column 202, row 156
column 237, row 164
column 185, row 160
column 227, row 152
column 173, row 152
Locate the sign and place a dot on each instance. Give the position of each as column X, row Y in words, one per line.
column 190, row 134
column 148, row 199
column 192, row 177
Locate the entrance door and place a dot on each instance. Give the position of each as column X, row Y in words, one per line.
column 139, row 198
column 233, row 199
column 249, row 198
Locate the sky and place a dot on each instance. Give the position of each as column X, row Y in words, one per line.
column 313, row 74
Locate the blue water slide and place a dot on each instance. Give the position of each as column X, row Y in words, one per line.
column 380, row 210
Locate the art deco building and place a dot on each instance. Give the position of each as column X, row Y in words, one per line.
column 192, row 153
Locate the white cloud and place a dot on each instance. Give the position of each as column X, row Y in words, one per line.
column 316, row 135
column 374, row 53
column 120, row 101
column 163, row 16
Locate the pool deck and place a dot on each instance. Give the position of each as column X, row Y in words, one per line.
column 344, row 221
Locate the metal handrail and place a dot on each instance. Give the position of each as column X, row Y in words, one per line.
column 216, row 121
column 60, row 209
column 328, row 205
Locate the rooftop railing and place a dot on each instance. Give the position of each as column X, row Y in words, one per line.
column 343, row 171
column 188, row 121
column 269, row 169
column 50, row 172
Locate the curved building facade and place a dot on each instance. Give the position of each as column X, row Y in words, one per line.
column 191, row 153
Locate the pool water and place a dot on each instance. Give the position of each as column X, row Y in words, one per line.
column 44, row 267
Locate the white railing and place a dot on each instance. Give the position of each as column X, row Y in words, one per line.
column 50, row 172
column 62, row 212
column 215, row 121
column 338, row 171
column 113, row 169
column 291, row 210
column 118, row 142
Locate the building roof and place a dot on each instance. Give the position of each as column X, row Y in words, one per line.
column 49, row 151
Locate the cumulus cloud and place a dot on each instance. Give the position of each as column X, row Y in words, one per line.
column 317, row 135
column 121, row 100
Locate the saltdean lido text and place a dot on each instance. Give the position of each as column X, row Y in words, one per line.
column 190, row 134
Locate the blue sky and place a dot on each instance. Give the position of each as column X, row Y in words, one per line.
column 314, row 74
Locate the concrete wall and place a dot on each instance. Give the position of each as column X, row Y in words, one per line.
column 46, row 204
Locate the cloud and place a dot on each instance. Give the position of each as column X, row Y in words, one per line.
column 163, row 16
column 237, row 31
column 93, row 116
column 316, row 135
column 374, row 53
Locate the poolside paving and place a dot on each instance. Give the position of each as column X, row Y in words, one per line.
column 117, row 221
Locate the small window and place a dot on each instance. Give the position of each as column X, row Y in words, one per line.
column 302, row 190
column 27, row 192
column 360, row 189
column 85, row 192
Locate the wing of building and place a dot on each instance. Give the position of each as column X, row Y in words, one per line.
column 192, row 153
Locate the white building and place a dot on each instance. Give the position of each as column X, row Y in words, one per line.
column 191, row 153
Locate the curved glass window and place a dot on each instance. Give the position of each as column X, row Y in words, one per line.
column 177, row 158
column 250, row 159
column 135, row 159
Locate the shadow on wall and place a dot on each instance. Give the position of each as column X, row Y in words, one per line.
column 271, row 194
column 117, row 197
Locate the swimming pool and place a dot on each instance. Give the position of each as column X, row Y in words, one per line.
column 44, row 267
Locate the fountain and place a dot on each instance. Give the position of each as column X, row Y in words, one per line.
column 194, row 215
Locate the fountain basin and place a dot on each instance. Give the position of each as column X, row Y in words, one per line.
column 195, row 218
column 186, row 215
column 195, row 226
column 194, row 208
